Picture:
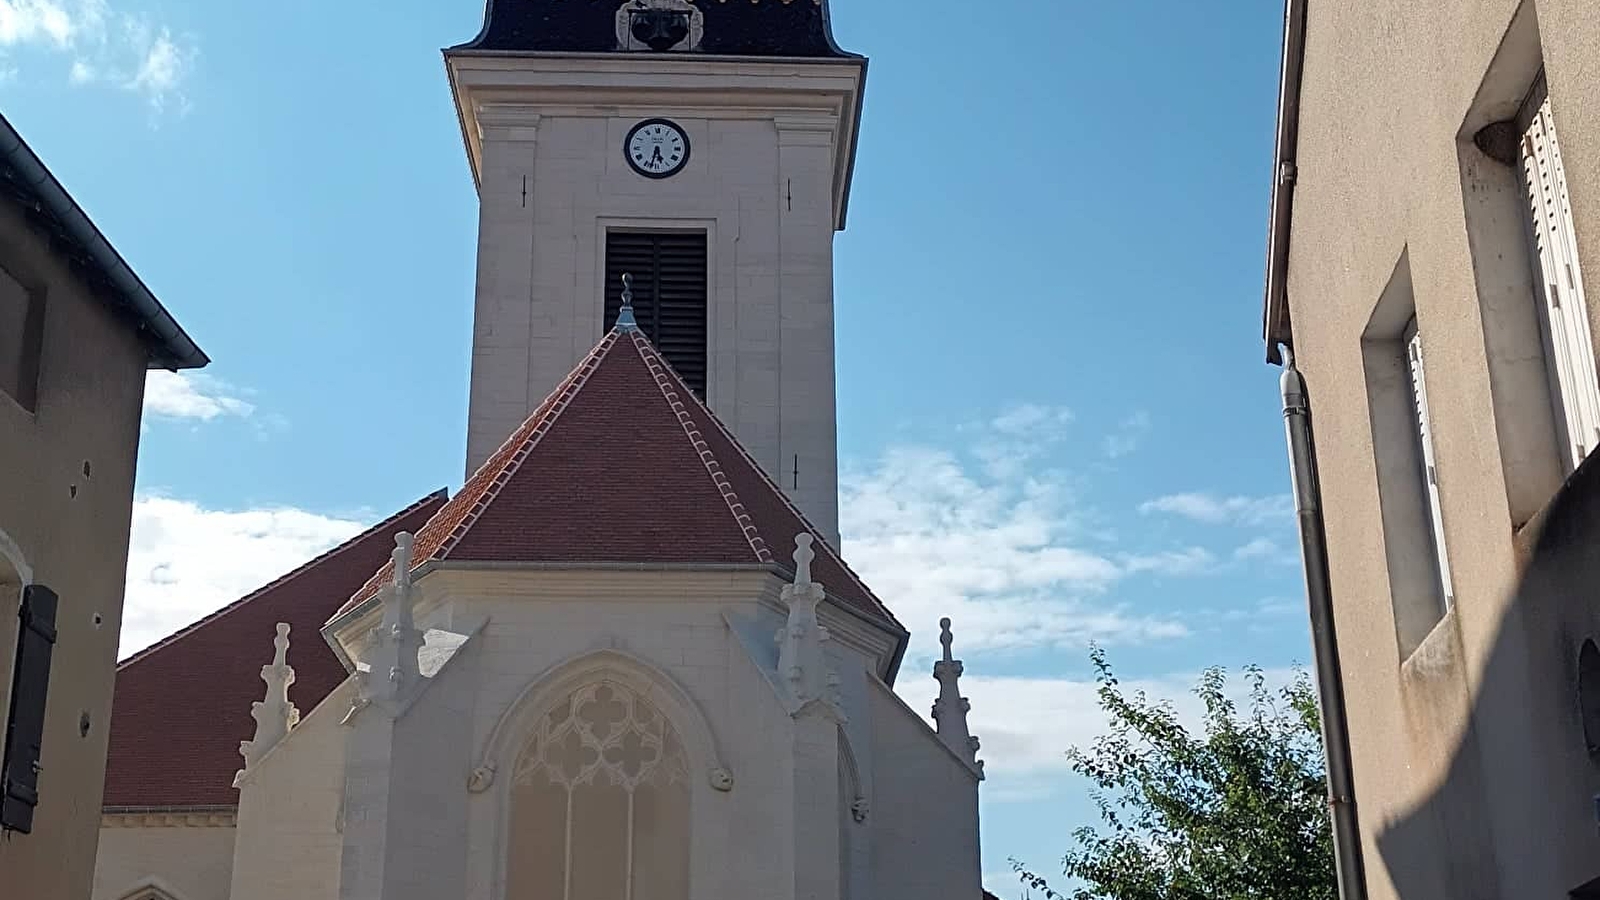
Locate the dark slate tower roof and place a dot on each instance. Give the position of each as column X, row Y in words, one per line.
column 794, row 28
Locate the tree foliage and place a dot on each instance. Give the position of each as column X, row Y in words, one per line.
column 1238, row 812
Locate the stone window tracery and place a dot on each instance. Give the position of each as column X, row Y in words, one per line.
column 600, row 803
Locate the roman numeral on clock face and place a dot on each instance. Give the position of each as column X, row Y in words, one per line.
column 656, row 148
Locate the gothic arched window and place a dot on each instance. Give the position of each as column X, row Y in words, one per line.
column 600, row 803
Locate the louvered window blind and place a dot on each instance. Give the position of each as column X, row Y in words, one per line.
column 1563, row 309
column 1430, row 473
column 24, row 738
column 669, row 294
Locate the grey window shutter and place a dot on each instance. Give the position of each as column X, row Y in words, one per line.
column 669, row 295
column 19, row 779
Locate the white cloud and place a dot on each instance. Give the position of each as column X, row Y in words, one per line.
column 1013, row 442
column 1026, row 725
column 1261, row 548
column 1126, row 438
column 1278, row 606
column 163, row 68
column 1214, row 510
column 1188, row 561
column 1031, row 420
column 102, row 46
column 36, row 21
column 184, row 395
column 186, row 561
column 998, row 550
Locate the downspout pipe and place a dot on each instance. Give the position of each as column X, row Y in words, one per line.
column 1275, row 309
column 1277, row 330
column 1324, row 638
column 170, row 346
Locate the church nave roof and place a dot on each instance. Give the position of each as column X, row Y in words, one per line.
column 181, row 706
column 622, row 464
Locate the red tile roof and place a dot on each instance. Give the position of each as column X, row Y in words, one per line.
column 623, row 464
column 181, row 707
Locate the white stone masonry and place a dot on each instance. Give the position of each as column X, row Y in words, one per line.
column 393, row 672
column 802, row 664
column 275, row 715
column 950, row 709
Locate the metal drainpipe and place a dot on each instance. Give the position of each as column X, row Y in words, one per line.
column 1324, row 640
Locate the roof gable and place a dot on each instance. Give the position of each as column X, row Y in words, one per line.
column 622, row 464
column 181, row 706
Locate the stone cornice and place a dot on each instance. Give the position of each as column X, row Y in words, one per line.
column 169, row 817
column 641, row 85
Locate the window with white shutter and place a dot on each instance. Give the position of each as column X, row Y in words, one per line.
column 1421, row 589
column 1569, row 350
column 1430, row 472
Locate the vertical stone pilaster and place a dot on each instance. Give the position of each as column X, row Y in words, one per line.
column 807, row 429
column 391, row 678
column 369, row 769
column 817, row 856
column 499, row 398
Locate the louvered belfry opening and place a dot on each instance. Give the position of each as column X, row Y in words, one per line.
column 669, row 294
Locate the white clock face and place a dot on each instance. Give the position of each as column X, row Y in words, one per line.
column 656, row 148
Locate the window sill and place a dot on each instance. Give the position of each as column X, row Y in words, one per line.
column 1553, row 522
column 1437, row 656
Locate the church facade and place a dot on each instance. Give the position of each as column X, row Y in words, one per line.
column 626, row 661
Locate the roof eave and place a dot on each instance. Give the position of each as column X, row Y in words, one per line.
column 855, row 142
column 1275, row 325
column 170, row 347
column 342, row 620
column 461, row 118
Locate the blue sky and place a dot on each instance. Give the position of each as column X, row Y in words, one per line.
column 1048, row 297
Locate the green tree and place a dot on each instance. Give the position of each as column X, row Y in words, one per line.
column 1238, row 812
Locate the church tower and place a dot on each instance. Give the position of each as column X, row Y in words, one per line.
column 626, row 660
column 706, row 149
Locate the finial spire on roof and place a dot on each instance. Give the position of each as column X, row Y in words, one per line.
column 625, row 319
column 950, row 709
column 392, row 667
column 275, row 715
column 801, row 661
column 401, row 556
column 803, row 555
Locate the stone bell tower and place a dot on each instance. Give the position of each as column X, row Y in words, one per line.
column 703, row 147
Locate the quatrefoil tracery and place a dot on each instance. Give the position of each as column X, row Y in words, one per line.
column 603, row 734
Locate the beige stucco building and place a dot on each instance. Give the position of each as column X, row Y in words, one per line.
column 1436, row 211
column 77, row 332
